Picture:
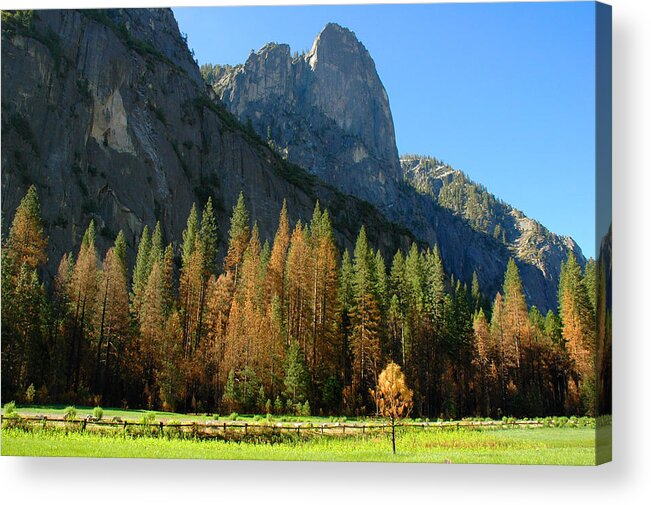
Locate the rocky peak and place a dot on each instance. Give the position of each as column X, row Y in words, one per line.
column 326, row 111
column 334, row 45
column 348, row 90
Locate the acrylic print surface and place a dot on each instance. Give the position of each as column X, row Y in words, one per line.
column 372, row 237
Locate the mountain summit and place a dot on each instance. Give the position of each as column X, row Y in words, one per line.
column 328, row 112
column 325, row 110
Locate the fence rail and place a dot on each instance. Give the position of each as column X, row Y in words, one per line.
column 216, row 427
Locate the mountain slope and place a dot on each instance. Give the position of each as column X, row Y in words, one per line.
column 526, row 238
column 106, row 112
column 328, row 112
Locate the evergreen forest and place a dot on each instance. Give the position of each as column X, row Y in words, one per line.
column 293, row 326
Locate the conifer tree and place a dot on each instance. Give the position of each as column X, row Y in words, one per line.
column 515, row 323
column 140, row 271
column 323, row 277
column 152, row 326
column 190, row 236
column 26, row 242
column 483, row 348
column 365, row 322
column 156, row 251
column 114, row 323
column 297, row 377
column 24, row 303
column 578, row 330
column 398, row 308
column 209, row 238
column 85, row 295
column 590, row 282
column 238, row 238
column 276, row 270
column 299, row 300
column 120, row 251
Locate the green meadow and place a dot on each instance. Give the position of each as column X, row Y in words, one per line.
column 508, row 445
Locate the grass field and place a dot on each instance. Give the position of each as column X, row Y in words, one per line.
column 135, row 415
column 550, row 446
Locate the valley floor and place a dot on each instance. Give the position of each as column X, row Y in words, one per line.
column 537, row 446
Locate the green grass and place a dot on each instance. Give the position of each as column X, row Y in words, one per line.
column 135, row 414
column 508, row 445
column 550, row 446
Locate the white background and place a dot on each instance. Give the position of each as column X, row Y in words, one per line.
column 626, row 480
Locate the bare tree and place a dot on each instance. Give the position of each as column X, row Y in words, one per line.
column 392, row 397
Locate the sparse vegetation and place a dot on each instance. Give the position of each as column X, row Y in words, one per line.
column 70, row 413
column 98, row 413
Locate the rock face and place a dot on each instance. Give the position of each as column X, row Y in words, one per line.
column 328, row 112
column 526, row 239
column 107, row 114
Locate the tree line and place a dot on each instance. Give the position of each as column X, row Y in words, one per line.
column 295, row 325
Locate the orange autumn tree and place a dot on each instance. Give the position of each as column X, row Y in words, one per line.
column 392, row 397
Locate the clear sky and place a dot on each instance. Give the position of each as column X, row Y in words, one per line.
column 504, row 91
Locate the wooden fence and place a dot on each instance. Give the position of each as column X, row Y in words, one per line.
column 215, row 428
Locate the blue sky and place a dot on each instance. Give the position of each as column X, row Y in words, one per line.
column 504, row 91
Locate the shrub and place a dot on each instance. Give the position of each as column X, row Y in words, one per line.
column 30, row 394
column 98, row 413
column 215, row 417
column 149, row 418
column 306, row 409
column 257, row 418
column 9, row 408
column 70, row 413
column 233, row 416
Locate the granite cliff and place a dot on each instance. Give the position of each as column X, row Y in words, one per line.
column 106, row 112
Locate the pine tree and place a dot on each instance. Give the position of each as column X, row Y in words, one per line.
column 209, row 238
column 398, row 308
column 238, row 236
column 578, row 329
column 365, row 322
column 140, row 271
column 156, row 251
column 475, row 293
column 323, row 276
column 190, row 236
column 26, row 242
column 276, row 270
column 515, row 322
column 299, row 300
column 590, row 282
column 297, row 377
column 483, row 348
column 24, row 304
column 152, row 333
column 22, row 335
column 120, row 251
column 85, row 295
column 114, row 322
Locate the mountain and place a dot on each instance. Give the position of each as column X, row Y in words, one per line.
column 328, row 112
column 526, row 238
column 106, row 112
